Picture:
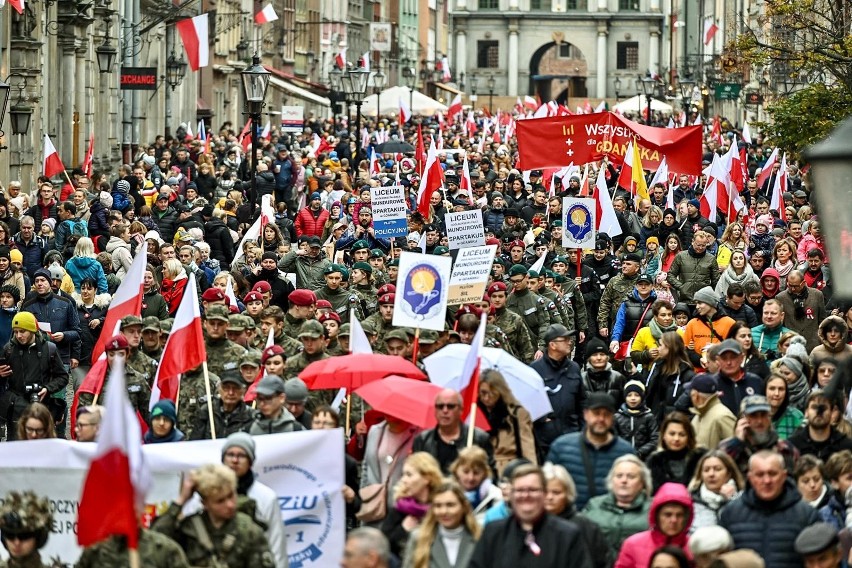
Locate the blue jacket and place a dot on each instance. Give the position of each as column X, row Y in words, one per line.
column 81, row 267
column 61, row 313
column 629, row 313
column 6, row 316
column 33, row 253
column 566, row 451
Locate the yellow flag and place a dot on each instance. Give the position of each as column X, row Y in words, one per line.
column 639, row 175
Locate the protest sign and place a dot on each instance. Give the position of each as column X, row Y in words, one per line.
column 465, row 229
column 305, row 469
column 421, row 291
column 578, row 222
column 389, row 218
column 470, row 274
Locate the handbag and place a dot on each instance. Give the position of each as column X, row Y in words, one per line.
column 374, row 497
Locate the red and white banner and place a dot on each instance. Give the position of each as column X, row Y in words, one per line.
column 195, row 35
column 266, row 15
column 710, row 29
column 127, row 301
column 52, row 163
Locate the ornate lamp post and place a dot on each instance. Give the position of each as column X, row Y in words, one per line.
column 255, row 83
column 491, row 83
column 355, row 84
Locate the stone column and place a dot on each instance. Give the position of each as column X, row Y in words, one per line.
column 68, row 45
column 461, row 53
column 654, row 51
column 512, row 86
column 600, row 70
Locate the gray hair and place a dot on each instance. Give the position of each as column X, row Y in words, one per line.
column 644, row 472
column 767, row 454
column 558, row 473
column 369, row 540
column 27, row 220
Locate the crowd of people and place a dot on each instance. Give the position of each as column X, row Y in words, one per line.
column 696, row 369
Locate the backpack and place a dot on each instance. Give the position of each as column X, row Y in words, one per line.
column 76, row 228
column 120, row 201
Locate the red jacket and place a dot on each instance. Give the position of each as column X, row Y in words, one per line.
column 172, row 292
column 307, row 224
column 637, row 550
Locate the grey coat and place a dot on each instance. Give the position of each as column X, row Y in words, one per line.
column 438, row 554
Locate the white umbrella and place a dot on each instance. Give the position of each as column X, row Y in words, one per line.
column 639, row 103
column 445, row 365
column 389, row 99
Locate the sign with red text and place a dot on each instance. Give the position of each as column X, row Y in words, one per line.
column 139, row 78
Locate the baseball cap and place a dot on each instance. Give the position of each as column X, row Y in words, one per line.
column 270, row 385
column 755, row 403
column 597, row 400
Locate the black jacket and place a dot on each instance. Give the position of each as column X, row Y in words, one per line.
column 565, row 389
column 427, row 441
column 663, row 391
column 592, row 536
column 166, row 221
column 836, row 442
column 36, row 364
column 608, row 380
column 218, row 236
column 640, row 429
column 676, row 467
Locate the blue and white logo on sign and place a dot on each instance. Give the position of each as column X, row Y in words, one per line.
column 578, row 223
column 308, row 518
column 422, row 292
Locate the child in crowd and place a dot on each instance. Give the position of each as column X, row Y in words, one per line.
column 635, row 422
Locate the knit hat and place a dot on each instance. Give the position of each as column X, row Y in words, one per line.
column 50, row 223
column 706, row 295
column 12, row 290
column 695, row 203
column 241, row 440
column 654, row 240
column 296, row 390
column 26, row 321
column 671, row 212
column 596, row 345
column 16, row 256
column 165, row 407
column 315, row 195
column 791, row 363
column 634, row 386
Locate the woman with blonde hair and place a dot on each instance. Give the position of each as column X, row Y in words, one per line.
column 732, row 239
column 421, row 477
column 174, row 284
column 473, row 473
column 510, row 424
column 84, row 264
column 448, row 534
column 716, row 481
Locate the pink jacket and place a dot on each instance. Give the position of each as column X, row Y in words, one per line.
column 637, row 550
column 807, row 243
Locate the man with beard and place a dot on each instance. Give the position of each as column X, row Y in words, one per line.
column 363, row 232
column 804, row 308
column 754, row 433
column 819, row 438
column 818, row 275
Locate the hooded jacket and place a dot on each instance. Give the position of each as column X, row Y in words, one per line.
column 286, row 422
column 81, row 267
column 121, row 256
column 638, row 549
column 639, row 427
column 691, row 271
column 839, row 351
column 770, row 273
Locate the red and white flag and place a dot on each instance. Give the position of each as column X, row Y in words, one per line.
column 267, row 128
column 716, row 189
column 661, row 175
column 52, row 163
column 777, row 201
column 195, row 35
column 358, row 342
column 469, row 378
column 470, row 125
column 607, row 222
column 404, row 111
column 374, row 164
column 18, row 5
column 364, row 62
column 766, row 171
column 184, row 349
column 118, row 478
column 445, row 70
column 319, row 145
column 465, row 184
column 710, row 29
column 127, row 301
column 229, row 292
column 530, row 102
column 746, row 133
column 340, row 59
column 266, row 15
column 433, row 179
column 90, row 154
column 455, row 109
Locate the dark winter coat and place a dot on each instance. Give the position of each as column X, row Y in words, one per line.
column 663, row 391
column 167, row 222
column 218, row 236
column 606, row 380
column 564, row 386
column 676, row 467
column 61, row 313
column 639, row 428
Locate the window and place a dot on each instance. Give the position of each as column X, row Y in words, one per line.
column 575, row 5
column 628, row 5
column 489, row 4
column 627, row 55
column 538, row 4
column 569, row 51
column 487, row 53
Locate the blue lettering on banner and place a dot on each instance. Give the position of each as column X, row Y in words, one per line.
column 390, row 228
column 308, row 530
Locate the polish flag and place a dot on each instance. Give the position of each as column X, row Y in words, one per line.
column 455, row 109
column 52, row 163
column 194, row 33
column 469, row 379
column 716, row 131
column 244, row 133
column 433, row 179
column 364, row 62
column 184, row 348
column 404, row 111
column 90, row 153
column 585, row 190
column 340, row 59
column 734, row 166
column 18, row 5
column 127, row 301
column 607, row 222
column 92, row 384
column 118, row 478
column 632, row 176
column 777, row 201
column 710, row 29
column 519, row 108
column 229, row 291
column 766, row 172
column 374, row 164
column 746, row 133
column 470, row 124
column 510, row 129
column 266, row 15
column 530, row 102
column 465, row 183
column 267, row 211
column 716, row 189
column 358, row 342
column 319, row 145
column 266, row 130
column 661, row 175
column 446, row 76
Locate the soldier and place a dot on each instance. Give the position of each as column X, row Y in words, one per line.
column 274, row 318
column 393, row 271
column 222, row 353
column 236, row 331
column 342, row 300
column 151, row 338
column 331, row 322
column 377, row 261
column 192, row 396
column 616, row 292
column 250, row 366
column 138, row 391
column 302, row 307
column 511, row 323
column 359, row 251
column 25, row 524
column 312, row 336
column 165, row 330
column 155, row 551
column 131, row 328
column 530, row 306
column 219, row 534
column 254, row 305
column 382, row 321
column 564, row 309
column 397, row 342
column 362, row 284
column 230, row 413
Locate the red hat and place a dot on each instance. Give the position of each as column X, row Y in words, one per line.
column 328, row 316
column 117, row 343
column 492, row 311
column 468, row 309
column 492, row 241
column 253, row 297
column 486, row 297
column 324, row 304
column 517, row 243
column 302, row 297
column 387, row 298
column 213, row 294
column 497, row 287
column 271, row 351
column 386, row 289
column 263, row 287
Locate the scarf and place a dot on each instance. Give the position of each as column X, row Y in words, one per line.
column 798, row 392
column 732, row 277
column 695, row 254
column 410, row 507
column 245, row 482
column 783, row 268
column 713, row 500
column 657, row 331
column 174, row 436
column 799, row 303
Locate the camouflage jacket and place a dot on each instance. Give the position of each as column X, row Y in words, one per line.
column 518, row 334
column 223, row 355
column 155, row 551
column 342, row 301
column 191, row 397
column 138, row 392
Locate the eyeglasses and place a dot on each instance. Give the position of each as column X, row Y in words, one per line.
column 81, row 425
column 20, row 536
column 516, row 280
column 236, row 457
column 524, row 491
column 263, row 399
column 34, row 431
column 446, row 405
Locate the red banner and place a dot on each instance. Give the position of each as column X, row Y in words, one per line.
column 558, row 141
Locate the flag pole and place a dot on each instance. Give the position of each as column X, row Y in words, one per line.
column 348, row 412
column 416, row 345
column 475, row 385
column 177, row 397
column 209, row 399
column 133, row 555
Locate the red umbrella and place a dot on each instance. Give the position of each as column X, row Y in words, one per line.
column 352, row 371
column 405, row 399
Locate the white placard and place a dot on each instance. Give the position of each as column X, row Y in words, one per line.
column 578, row 222
column 305, row 469
column 421, row 291
column 465, row 229
column 389, row 211
column 292, row 118
column 380, row 36
column 470, row 274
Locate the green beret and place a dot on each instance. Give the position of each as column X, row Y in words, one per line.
column 557, row 223
column 531, row 273
column 440, row 250
column 394, row 262
column 377, row 253
column 361, row 244
column 559, row 258
column 332, row 268
column 549, row 274
column 518, row 269
column 559, row 279
column 365, row 266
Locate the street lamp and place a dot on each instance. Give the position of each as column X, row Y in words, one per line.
column 474, row 81
column 832, row 176
column 175, row 70
column 647, row 85
column 379, row 82
column 106, row 54
column 409, row 73
column 20, row 113
column 617, row 85
column 243, row 48
column 490, row 83
column 255, row 83
column 686, row 86
column 355, row 84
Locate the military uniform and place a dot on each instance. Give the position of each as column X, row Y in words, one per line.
column 566, row 312
column 145, row 366
column 381, row 326
column 291, row 328
column 571, row 295
column 289, row 344
column 226, row 423
column 239, row 542
column 517, row 333
column 342, row 301
column 535, row 312
column 495, row 337
column 223, row 355
column 191, row 397
column 154, row 354
column 155, row 551
column 369, row 298
column 27, row 515
column 297, row 364
column 138, row 391
column 614, row 293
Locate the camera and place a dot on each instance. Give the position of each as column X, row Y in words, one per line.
column 32, row 392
